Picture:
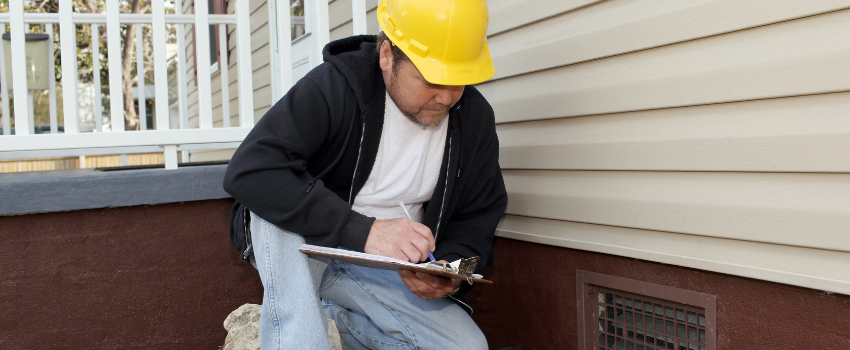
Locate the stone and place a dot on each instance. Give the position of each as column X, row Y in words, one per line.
column 333, row 336
column 243, row 329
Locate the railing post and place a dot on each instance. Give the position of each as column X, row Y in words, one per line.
column 182, row 95
column 358, row 16
column 281, row 49
column 140, row 77
column 322, row 28
column 97, row 87
column 19, row 73
column 223, row 68
column 160, row 66
column 113, row 53
column 170, row 153
column 51, row 77
column 68, row 44
column 182, row 98
column 202, row 51
column 246, row 80
column 377, row 25
column 4, row 92
column 30, row 111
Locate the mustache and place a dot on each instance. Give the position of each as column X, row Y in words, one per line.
column 439, row 107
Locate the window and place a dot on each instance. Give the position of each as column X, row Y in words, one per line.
column 296, row 11
column 624, row 314
column 218, row 7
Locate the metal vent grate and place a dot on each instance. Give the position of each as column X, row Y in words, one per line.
column 616, row 313
column 629, row 321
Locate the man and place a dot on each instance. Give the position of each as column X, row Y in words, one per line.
column 384, row 120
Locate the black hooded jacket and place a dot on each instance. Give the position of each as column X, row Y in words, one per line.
column 304, row 162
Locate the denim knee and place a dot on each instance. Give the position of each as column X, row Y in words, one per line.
column 475, row 341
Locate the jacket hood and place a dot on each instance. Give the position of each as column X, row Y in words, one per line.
column 355, row 57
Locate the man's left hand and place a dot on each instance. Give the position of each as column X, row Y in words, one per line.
column 428, row 286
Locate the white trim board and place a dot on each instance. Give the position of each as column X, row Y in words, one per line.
column 796, row 209
column 805, row 267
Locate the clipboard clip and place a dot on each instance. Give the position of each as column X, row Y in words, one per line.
column 463, row 267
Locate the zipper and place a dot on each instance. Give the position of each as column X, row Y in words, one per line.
column 356, row 165
column 248, row 246
column 445, row 187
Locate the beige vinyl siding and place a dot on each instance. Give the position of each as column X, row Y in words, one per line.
column 793, row 134
column 340, row 18
column 707, row 134
column 509, row 14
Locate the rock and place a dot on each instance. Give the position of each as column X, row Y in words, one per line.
column 243, row 329
column 333, row 336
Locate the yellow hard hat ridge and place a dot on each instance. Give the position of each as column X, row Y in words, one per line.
column 445, row 39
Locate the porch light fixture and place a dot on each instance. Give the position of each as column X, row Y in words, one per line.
column 37, row 64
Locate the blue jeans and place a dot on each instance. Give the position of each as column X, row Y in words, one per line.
column 372, row 308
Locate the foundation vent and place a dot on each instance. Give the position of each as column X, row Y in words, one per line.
column 623, row 314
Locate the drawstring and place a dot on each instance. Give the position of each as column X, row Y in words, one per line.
column 338, row 157
column 460, row 131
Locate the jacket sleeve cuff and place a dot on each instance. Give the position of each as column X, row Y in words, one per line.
column 356, row 231
column 450, row 257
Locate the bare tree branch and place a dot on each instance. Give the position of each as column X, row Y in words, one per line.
column 90, row 6
column 145, row 7
column 131, row 119
column 40, row 8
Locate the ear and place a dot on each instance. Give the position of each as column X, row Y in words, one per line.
column 386, row 56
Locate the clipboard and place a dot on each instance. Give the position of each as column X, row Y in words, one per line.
column 387, row 263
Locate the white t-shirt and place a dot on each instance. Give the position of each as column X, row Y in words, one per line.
column 406, row 168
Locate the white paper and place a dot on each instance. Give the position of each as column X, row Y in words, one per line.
column 351, row 253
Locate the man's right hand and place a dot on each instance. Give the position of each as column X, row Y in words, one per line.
column 401, row 239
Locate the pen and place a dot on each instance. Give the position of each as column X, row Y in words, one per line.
column 403, row 207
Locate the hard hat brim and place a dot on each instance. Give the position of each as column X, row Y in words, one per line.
column 455, row 73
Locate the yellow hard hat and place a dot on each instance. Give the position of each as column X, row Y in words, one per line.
column 445, row 39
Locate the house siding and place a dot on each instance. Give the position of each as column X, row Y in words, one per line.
column 705, row 134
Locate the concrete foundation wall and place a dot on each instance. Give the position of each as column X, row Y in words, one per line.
column 165, row 277
column 143, row 277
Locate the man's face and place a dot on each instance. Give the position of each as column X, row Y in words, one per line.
column 423, row 103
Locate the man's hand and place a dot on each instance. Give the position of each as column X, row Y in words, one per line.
column 428, row 286
column 400, row 239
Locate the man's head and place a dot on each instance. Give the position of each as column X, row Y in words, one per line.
column 429, row 50
column 423, row 103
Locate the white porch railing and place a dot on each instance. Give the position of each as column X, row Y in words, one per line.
column 73, row 142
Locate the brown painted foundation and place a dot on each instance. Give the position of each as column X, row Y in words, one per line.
column 165, row 277
column 532, row 305
column 145, row 277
